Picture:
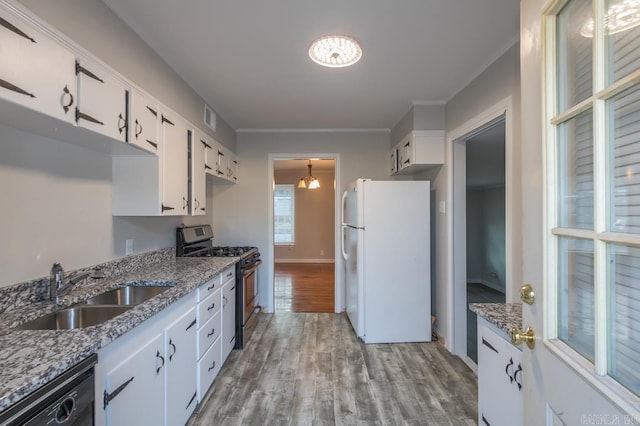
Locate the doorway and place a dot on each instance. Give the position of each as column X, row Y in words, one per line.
column 303, row 234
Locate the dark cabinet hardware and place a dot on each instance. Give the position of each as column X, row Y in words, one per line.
column 185, row 203
column 8, row 25
column 224, row 301
column 212, row 366
column 191, row 401
column 233, row 288
column 235, row 162
column 406, row 145
column 202, row 209
column 138, row 128
column 220, row 154
column 489, row 345
column 166, row 120
column 197, row 203
column 220, row 173
column 83, row 70
column 235, row 178
column 122, row 123
column 15, row 88
column 211, row 287
column 213, row 305
column 485, row 421
column 152, row 111
column 407, row 161
column 165, row 208
column 109, row 396
column 191, row 325
column 161, row 365
column 515, row 376
column 83, row 116
column 213, row 331
column 153, row 144
column 207, row 167
column 506, row 369
column 65, row 92
column 232, row 339
column 205, row 144
column 174, row 349
column 229, row 274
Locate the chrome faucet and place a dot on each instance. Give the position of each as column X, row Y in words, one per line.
column 58, row 287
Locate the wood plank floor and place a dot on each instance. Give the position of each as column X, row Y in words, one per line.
column 304, row 369
column 304, row 287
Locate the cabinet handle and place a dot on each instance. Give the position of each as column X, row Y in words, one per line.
column 515, row 376
column 166, row 208
column 485, row 421
column 213, row 331
column 109, row 396
column 191, row 325
column 174, row 349
column 122, row 126
column 232, row 288
column 407, row 161
column 211, row 307
column 197, row 203
column 153, row 144
column 211, row 287
column 185, row 203
column 202, row 208
column 406, row 145
column 138, row 128
column 489, row 345
column 83, row 116
column 166, row 120
column 212, row 366
column 191, row 400
column 15, row 88
column 8, row 25
column 161, row 365
column 152, row 111
column 83, row 70
column 224, row 301
column 229, row 274
column 66, row 91
column 506, row 369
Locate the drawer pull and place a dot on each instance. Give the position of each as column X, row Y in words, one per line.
column 213, row 331
column 515, row 376
column 174, row 349
column 229, row 274
column 211, row 287
column 211, row 307
column 161, row 365
column 212, row 366
column 506, row 369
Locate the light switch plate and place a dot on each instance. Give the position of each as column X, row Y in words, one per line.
column 128, row 247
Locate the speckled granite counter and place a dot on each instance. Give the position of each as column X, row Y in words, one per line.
column 505, row 316
column 31, row 358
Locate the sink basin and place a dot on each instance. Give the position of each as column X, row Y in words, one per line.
column 76, row 317
column 128, row 295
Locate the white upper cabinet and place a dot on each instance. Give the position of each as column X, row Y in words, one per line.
column 197, row 175
column 103, row 101
column 35, row 71
column 175, row 146
column 144, row 128
column 418, row 151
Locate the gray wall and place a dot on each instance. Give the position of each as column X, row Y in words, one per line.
column 419, row 117
column 314, row 219
column 92, row 25
column 241, row 211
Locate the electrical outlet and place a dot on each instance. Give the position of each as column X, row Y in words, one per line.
column 128, row 247
column 442, row 207
column 321, row 252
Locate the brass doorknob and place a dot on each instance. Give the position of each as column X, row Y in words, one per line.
column 527, row 295
column 518, row 336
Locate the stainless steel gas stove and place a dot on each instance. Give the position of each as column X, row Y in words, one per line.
column 197, row 241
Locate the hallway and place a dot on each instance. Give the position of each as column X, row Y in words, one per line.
column 304, row 287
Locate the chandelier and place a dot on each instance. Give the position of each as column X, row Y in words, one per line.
column 309, row 182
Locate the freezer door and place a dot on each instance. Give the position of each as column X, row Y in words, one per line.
column 353, row 301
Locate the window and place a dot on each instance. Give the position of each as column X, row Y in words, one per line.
column 284, row 215
column 593, row 184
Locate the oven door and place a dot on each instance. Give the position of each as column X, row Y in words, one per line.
column 250, row 289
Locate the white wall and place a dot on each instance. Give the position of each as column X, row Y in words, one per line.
column 241, row 212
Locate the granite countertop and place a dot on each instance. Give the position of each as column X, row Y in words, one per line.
column 505, row 316
column 31, row 358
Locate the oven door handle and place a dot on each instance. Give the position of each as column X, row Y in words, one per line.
column 252, row 269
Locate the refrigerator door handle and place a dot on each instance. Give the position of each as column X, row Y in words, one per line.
column 344, row 197
column 353, row 227
column 344, row 253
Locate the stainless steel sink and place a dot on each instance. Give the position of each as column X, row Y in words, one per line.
column 76, row 317
column 128, row 295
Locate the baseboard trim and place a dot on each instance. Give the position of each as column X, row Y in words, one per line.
column 304, row 261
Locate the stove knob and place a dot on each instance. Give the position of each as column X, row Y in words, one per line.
column 64, row 410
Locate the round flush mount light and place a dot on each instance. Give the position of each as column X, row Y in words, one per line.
column 335, row 51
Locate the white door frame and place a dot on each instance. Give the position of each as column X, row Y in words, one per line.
column 457, row 262
column 338, row 279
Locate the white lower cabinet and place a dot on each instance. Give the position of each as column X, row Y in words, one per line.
column 500, row 378
column 228, row 317
column 148, row 376
column 209, row 332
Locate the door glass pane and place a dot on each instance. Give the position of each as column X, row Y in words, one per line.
column 575, row 172
column 576, row 321
column 574, row 70
column 622, row 26
column 624, row 114
column 624, row 316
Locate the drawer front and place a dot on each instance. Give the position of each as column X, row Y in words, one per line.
column 208, row 369
column 210, row 287
column 209, row 333
column 227, row 275
column 209, row 307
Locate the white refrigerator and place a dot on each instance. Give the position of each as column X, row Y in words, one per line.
column 386, row 247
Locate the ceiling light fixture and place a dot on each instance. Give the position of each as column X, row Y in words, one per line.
column 620, row 17
column 309, row 182
column 335, row 51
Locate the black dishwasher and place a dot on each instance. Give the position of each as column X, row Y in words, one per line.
column 66, row 400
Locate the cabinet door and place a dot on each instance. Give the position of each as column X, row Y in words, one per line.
column 221, row 163
column 228, row 318
column 198, row 175
column 136, row 383
column 233, row 169
column 103, row 101
column 404, row 153
column 144, row 116
column 394, row 160
column 35, row 71
column 181, row 373
column 175, row 145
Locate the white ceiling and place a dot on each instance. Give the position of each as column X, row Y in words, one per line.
column 248, row 59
